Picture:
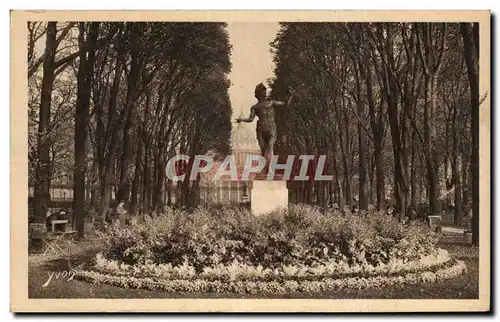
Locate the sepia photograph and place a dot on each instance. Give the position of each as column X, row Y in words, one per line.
column 260, row 158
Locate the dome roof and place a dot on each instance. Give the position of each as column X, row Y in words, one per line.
column 244, row 138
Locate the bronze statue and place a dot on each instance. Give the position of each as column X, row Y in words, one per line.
column 266, row 125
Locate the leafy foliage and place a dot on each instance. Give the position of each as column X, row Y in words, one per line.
column 303, row 235
column 240, row 271
column 365, row 96
column 276, row 287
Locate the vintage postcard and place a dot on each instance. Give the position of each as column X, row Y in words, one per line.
column 250, row 161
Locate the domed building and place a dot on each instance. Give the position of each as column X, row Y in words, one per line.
column 243, row 143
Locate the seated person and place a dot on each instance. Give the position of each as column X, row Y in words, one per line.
column 50, row 217
column 122, row 213
column 62, row 215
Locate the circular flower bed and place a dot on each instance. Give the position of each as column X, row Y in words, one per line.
column 226, row 249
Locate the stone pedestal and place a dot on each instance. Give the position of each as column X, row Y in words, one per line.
column 37, row 233
column 268, row 196
column 435, row 223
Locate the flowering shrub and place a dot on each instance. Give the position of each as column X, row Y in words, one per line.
column 240, row 271
column 276, row 287
column 302, row 235
column 226, row 249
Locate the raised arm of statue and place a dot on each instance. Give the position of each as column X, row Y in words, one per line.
column 248, row 119
column 287, row 102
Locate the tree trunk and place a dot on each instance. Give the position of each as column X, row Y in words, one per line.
column 431, row 55
column 455, row 173
column 432, row 170
column 400, row 180
column 471, row 49
column 158, row 195
column 136, row 181
column 106, row 190
column 131, row 120
column 363, row 186
column 338, row 185
column 348, row 189
column 43, row 167
column 169, row 193
column 146, row 190
column 371, row 180
column 420, row 183
column 347, row 166
column 391, row 96
column 413, row 174
column 377, row 126
column 380, row 176
column 94, row 189
column 108, row 137
column 85, row 71
column 465, row 180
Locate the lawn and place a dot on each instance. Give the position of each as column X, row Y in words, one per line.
column 463, row 287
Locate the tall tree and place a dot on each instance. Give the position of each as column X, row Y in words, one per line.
column 383, row 39
column 85, row 72
column 351, row 75
column 431, row 50
column 471, row 53
column 358, row 58
column 43, row 169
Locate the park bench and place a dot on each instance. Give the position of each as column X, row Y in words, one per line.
column 64, row 224
column 57, row 223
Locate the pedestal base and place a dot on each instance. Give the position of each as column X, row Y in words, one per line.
column 435, row 223
column 268, row 196
column 37, row 233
